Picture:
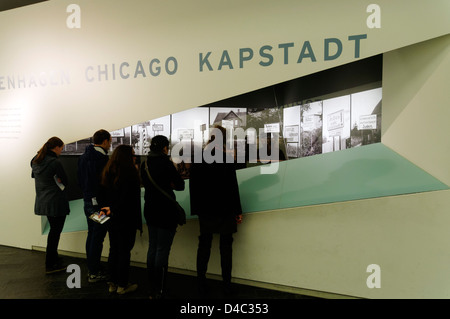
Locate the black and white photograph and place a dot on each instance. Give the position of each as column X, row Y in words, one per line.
column 76, row 148
column 292, row 150
column 259, row 117
column 231, row 119
column 336, row 124
column 366, row 117
column 188, row 125
column 139, row 139
column 291, row 132
column 228, row 117
column 311, row 132
column 159, row 126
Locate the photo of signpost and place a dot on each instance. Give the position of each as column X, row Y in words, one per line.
column 366, row 117
column 189, row 131
column 336, row 124
column 187, row 125
column 291, row 132
column 159, row 126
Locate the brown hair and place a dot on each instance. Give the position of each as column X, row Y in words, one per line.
column 120, row 167
column 49, row 145
column 100, row 136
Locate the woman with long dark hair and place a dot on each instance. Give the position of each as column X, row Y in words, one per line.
column 120, row 197
column 51, row 198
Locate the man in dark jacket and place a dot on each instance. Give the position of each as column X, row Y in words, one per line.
column 214, row 194
column 90, row 167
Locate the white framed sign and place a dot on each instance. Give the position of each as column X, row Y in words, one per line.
column 336, row 120
column 367, row 122
column 118, row 133
column 291, row 133
column 272, row 128
column 185, row 134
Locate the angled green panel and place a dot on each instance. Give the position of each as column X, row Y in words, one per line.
column 260, row 190
column 365, row 172
column 75, row 221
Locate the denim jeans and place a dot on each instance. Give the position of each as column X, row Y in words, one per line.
column 160, row 243
column 121, row 241
column 94, row 241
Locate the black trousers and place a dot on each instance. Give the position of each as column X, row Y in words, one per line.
column 204, row 252
column 56, row 227
column 121, row 243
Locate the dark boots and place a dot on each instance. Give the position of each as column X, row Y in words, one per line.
column 158, row 282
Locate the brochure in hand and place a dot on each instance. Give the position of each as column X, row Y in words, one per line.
column 58, row 182
column 96, row 217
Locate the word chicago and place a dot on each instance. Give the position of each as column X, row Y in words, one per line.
column 210, row 61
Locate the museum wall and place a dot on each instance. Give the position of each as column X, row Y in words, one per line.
column 67, row 91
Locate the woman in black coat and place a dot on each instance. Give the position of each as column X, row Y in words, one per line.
column 214, row 194
column 160, row 212
column 120, row 197
column 51, row 198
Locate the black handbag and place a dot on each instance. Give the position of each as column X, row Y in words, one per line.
column 181, row 214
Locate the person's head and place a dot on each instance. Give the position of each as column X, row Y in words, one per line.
column 54, row 144
column 159, row 143
column 218, row 132
column 102, row 138
column 120, row 165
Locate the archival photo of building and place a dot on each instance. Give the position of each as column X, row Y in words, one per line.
column 228, row 117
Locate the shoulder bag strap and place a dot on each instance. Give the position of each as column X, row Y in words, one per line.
column 156, row 185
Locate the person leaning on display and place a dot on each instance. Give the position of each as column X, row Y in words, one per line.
column 90, row 167
column 51, row 198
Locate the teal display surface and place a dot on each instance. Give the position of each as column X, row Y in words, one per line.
column 76, row 220
column 364, row 172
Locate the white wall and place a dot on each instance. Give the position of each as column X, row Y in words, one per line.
column 324, row 247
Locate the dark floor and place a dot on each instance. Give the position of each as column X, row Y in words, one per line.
column 22, row 276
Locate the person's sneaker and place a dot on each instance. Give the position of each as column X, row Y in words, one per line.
column 124, row 290
column 112, row 287
column 54, row 268
column 100, row 276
